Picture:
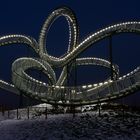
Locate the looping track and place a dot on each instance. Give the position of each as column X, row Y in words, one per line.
column 56, row 91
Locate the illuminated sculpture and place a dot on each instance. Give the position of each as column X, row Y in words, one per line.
column 57, row 91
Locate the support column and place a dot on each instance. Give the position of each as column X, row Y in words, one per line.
column 46, row 113
column 111, row 57
column 3, row 110
column 17, row 114
column 99, row 107
column 8, row 113
column 21, row 100
column 28, row 112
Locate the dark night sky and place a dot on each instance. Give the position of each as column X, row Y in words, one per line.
column 26, row 17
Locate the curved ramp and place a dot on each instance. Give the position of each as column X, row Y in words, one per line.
column 56, row 90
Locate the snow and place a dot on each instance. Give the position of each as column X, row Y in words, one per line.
column 111, row 125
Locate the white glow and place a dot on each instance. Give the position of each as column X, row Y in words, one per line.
column 89, row 86
column 120, row 78
column 84, row 86
column 62, row 87
column 57, row 86
column 100, row 84
column 110, row 81
column 95, row 85
column 105, row 82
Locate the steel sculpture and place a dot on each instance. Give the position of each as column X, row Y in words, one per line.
column 56, row 91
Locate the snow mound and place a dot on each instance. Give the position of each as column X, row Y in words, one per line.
column 87, row 126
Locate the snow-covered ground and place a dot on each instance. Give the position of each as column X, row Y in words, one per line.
column 85, row 126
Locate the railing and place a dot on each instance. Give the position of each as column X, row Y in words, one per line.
column 70, row 95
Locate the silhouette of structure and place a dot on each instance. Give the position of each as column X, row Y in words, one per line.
column 58, row 91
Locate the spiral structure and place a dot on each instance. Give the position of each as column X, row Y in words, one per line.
column 56, row 91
